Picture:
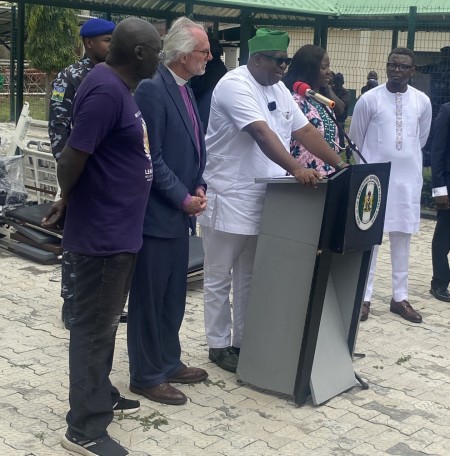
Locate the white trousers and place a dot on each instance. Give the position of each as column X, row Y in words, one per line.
column 399, row 248
column 228, row 258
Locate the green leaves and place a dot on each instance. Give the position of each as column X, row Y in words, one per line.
column 52, row 37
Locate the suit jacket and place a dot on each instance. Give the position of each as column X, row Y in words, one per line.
column 203, row 87
column 440, row 151
column 177, row 164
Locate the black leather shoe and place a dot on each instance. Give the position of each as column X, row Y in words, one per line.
column 189, row 375
column 441, row 293
column 124, row 317
column 163, row 393
column 225, row 358
column 404, row 309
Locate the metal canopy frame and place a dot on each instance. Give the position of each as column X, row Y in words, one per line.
column 246, row 13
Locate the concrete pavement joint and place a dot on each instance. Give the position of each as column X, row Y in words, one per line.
column 406, row 411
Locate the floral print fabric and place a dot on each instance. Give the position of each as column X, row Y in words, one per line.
column 315, row 113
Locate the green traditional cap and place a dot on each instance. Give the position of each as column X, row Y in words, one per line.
column 268, row 40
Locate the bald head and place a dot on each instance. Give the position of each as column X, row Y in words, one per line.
column 134, row 50
column 128, row 34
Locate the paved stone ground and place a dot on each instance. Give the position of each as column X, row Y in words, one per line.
column 405, row 411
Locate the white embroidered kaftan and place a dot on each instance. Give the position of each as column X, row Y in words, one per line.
column 394, row 127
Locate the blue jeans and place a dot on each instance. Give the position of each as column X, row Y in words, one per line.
column 101, row 287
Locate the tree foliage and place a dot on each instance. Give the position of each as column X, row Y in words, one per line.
column 52, row 37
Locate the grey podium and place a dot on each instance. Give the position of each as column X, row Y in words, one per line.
column 311, row 266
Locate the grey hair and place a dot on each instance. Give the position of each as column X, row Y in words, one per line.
column 179, row 40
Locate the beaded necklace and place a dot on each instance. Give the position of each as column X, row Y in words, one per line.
column 329, row 129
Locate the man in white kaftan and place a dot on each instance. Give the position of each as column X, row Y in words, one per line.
column 391, row 123
column 251, row 122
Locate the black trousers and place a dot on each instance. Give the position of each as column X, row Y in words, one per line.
column 67, row 282
column 440, row 247
column 156, row 310
column 101, row 290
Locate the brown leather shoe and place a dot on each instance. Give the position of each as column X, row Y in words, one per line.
column 404, row 309
column 189, row 375
column 163, row 393
column 365, row 309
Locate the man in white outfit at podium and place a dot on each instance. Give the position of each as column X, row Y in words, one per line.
column 391, row 123
column 252, row 119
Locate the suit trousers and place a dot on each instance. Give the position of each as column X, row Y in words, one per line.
column 228, row 258
column 101, row 289
column 440, row 247
column 399, row 248
column 156, row 310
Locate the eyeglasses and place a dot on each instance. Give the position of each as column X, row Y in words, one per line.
column 205, row 52
column 160, row 52
column 399, row 66
column 279, row 60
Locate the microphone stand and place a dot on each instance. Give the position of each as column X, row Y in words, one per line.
column 351, row 145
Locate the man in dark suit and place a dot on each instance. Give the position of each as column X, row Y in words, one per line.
column 372, row 81
column 439, row 77
column 158, row 290
column 203, row 85
column 440, row 167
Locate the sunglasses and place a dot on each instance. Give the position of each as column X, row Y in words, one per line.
column 160, row 53
column 400, row 66
column 278, row 60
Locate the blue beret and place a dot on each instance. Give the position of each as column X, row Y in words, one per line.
column 96, row 27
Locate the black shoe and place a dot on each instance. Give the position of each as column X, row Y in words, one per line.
column 105, row 446
column 225, row 358
column 126, row 406
column 440, row 293
column 124, row 317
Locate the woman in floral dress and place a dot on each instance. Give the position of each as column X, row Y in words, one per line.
column 311, row 64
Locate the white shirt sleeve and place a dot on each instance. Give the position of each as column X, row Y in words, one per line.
column 360, row 122
column 299, row 119
column 425, row 122
column 238, row 102
column 439, row 191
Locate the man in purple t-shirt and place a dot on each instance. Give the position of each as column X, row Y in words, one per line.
column 105, row 174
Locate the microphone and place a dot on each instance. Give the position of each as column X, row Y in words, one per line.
column 305, row 90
